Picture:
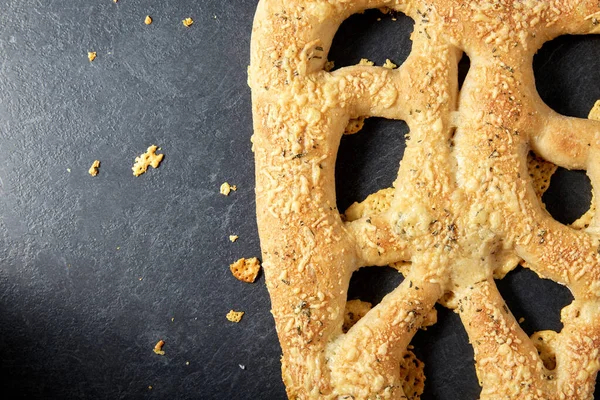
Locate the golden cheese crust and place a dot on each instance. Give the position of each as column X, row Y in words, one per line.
column 463, row 209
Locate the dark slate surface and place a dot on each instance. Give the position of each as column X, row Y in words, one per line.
column 94, row 271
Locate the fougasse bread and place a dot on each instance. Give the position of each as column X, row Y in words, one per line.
column 464, row 209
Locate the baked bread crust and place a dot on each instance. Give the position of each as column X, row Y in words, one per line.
column 463, row 209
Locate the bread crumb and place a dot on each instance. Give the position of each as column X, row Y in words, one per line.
column 149, row 387
column 235, row 316
column 242, row 366
column 173, row 319
column 188, row 22
column 149, row 158
column 389, row 64
column 158, row 348
column 521, row 320
column 91, row 55
column 245, row 270
column 93, row 171
column 233, row 238
column 68, row 169
column 148, row 20
column 226, row 188
column 187, row 363
column 595, row 112
column 366, row 61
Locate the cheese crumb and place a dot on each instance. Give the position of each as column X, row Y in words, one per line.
column 148, row 20
column 366, row 61
column 235, row 316
column 149, row 158
column 595, row 112
column 389, row 64
column 245, row 270
column 91, row 55
column 158, row 348
column 233, row 238
column 226, row 188
column 188, row 22
column 93, row 171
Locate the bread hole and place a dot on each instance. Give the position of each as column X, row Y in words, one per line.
column 374, row 36
column 448, row 357
column 569, row 196
column 463, row 69
column 567, row 72
column 533, row 301
column 368, row 161
column 371, row 284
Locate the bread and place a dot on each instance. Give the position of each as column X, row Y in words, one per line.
column 464, row 207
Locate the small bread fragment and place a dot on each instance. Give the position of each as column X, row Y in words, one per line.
column 233, row 238
column 366, row 62
column 93, row 171
column 235, row 316
column 148, row 20
column 245, row 270
column 149, row 158
column 158, row 348
column 187, row 22
column 91, row 55
column 389, row 64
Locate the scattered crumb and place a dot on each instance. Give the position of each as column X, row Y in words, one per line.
column 158, row 348
column 149, row 387
column 93, row 171
column 245, row 270
column 173, row 319
column 242, row 366
column 187, row 363
column 68, row 169
column 394, row 19
column 378, row 19
column 233, row 238
column 149, row 158
column 595, row 112
column 389, row 64
column 188, row 22
column 235, row 316
column 366, row 61
column 329, row 65
column 118, row 247
column 91, row 55
column 141, row 278
column 148, row 20
column 226, row 188
column 521, row 320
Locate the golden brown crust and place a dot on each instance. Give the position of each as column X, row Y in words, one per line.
column 460, row 214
